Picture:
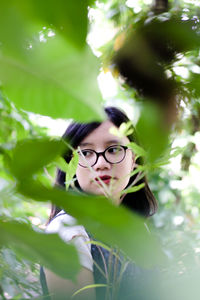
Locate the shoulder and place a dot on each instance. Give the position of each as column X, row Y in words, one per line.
column 67, row 228
column 60, row 220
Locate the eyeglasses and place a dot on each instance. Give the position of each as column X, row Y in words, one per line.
column 113, row 155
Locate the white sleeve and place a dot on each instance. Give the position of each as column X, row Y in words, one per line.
column 66, row 227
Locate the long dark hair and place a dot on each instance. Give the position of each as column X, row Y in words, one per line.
column 143, row 201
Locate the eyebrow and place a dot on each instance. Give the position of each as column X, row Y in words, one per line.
column 107, row 143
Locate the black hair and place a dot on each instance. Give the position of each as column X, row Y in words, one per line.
column 143, row 201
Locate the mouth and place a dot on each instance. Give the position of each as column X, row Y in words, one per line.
column 106, row 179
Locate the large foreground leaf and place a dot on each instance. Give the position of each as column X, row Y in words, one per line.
column 69, row 18
column 46, row 249
column 32, row 154
column 54, row 79
column 113, row 225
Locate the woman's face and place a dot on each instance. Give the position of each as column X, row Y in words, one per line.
column 114, row 176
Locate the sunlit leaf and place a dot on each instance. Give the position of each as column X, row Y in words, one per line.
column 69, row 18
column 125, row 129
column 46, row 82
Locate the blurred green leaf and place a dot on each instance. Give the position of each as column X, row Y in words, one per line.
column 152, row 133
column 46, row 83
column 193, row 84
column 90, row 286
column 16, row 284
column 165, row 158
column 137, row 150
column 32, row 154
column 113, row 225
column 13, row 28
column 46, row 249
column 125, row 129
column 69, row 18
column 61, row 163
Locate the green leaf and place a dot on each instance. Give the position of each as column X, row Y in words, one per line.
column 109, row 224
column 133, row 189
column 54, row 79
column 193, row 85
column 46, row 249
column 90, row 286
column 32, row 154
column 61, row 164
column 71, row 169
column 165, row 158
column 13, row 29
column 138, row 151
column 68, row 168
column 125, row 129
column 69, row 18
column 152, row 132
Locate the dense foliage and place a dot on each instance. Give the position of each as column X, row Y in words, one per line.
column 46, row 67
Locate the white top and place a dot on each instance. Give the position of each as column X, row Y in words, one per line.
column 66, row 227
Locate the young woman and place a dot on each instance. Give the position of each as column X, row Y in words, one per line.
column 105, row 165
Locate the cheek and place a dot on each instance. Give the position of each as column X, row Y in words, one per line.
column 82, row 175
column 125, row 176
column 124, row 170
column 127, row 165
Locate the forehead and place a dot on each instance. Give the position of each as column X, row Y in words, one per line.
column 102, row 135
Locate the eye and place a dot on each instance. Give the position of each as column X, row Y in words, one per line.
column 114, row 149
column 86, row 153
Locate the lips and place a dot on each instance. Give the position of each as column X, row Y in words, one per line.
column 106, row 179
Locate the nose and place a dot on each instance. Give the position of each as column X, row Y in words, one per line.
column 101, row 164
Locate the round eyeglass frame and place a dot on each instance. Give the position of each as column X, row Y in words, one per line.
column 104, row 156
